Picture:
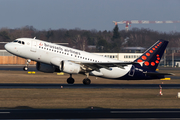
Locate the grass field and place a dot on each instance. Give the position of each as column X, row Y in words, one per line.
column 84, row 98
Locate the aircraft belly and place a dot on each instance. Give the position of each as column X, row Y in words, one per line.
column 96, row 73
column 114, row 73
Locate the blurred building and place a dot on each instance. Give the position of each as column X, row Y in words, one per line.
column 133, row 49
column 8, row 59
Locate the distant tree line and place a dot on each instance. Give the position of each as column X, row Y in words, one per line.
column 103, row 41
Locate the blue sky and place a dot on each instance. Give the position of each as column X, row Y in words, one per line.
column 88, row 14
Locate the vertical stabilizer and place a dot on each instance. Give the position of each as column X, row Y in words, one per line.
column 152, row 56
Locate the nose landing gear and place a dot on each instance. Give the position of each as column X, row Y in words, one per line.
column 25, row 68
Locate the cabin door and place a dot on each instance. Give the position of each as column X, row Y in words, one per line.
column 33, row 46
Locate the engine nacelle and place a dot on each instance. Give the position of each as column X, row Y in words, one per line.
column 69, row 67
column 45, row 67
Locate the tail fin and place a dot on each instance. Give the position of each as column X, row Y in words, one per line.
column 152, row 56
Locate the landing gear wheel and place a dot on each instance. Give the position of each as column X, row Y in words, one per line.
column 86, row 81
column 70, row 80
column 25, row 68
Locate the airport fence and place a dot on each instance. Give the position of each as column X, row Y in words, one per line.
column 9, row 59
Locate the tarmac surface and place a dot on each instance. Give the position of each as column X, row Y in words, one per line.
column 91, row 86
column 90, row 113
column 17, row 67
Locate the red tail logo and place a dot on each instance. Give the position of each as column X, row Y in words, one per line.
column 152, row 56
column 40, row 44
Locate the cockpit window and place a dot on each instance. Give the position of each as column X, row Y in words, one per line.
column 20, row 42
column 15, row 41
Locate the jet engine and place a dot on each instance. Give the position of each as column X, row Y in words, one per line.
column 45, row 67
column 69, row 67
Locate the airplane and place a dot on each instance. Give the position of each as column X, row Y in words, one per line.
column 51, row 58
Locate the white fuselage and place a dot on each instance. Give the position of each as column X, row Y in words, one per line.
column 50, row 53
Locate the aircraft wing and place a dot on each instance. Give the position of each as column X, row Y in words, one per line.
column 96, row 66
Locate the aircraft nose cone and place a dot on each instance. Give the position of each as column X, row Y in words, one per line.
column 7, row 46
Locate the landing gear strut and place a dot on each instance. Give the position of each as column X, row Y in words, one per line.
column 27, row 63
column 87, row 81
column 70, row 80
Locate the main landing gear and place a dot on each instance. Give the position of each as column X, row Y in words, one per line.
column 86, row 81
column 25, row 68
column 70, row 80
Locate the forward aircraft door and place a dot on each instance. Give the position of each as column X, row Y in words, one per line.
column 33, row 46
